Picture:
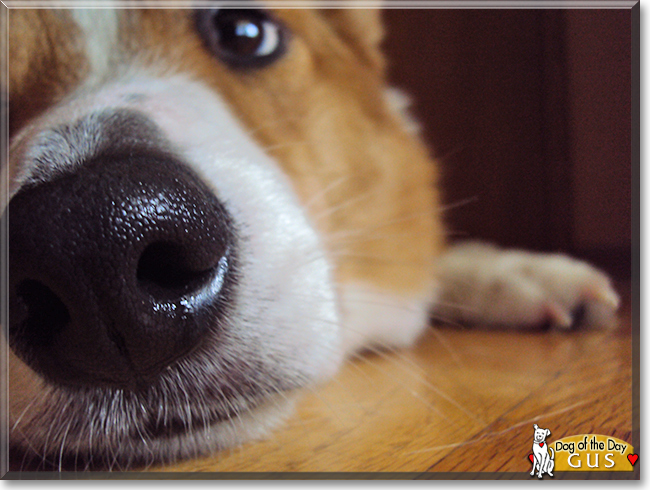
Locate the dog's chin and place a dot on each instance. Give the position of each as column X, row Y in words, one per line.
column 198, row 406
column 176, row 442
column 130, row 430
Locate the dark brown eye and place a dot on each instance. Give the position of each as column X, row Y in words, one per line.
column 242, row 38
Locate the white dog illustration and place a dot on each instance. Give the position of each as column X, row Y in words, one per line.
column 543, row 461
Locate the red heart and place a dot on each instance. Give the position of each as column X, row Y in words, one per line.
column 632, row 458
column 541, row 444
column 531, row 457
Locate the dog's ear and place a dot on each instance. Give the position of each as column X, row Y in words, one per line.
column 535, row 426
column 362, row 29
column 548, row 432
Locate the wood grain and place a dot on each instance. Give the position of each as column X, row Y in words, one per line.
column 445, row 404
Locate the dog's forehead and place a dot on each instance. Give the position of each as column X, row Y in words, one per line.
column 71, row 41
column 101, row 34
column 53, row 51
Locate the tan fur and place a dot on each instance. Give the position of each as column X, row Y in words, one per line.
column 46, row 61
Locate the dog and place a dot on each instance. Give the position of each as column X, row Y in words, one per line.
column 544, row 462
column 210, row 210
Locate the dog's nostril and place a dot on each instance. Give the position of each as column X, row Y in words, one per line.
column 166, row 266
column 42, row 315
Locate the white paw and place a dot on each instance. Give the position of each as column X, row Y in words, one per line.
column 482, row 284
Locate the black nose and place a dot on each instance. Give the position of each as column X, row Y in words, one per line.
column 117, row 269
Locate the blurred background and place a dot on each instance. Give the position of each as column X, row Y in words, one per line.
column 529, row 112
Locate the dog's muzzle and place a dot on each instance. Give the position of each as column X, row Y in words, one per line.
column 118, row 269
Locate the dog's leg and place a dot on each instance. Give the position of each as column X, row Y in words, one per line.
column 484, row 285
column 550, row 464
column 532, row 473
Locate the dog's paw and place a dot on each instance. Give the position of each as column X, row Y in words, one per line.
column 481, row 284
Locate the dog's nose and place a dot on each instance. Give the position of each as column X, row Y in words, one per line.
column 117, row 270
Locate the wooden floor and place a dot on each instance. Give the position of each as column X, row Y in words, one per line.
column 444, row 405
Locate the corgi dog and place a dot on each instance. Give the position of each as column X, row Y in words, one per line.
column 209, row 210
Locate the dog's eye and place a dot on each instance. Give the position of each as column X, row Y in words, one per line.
column 242, row 38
